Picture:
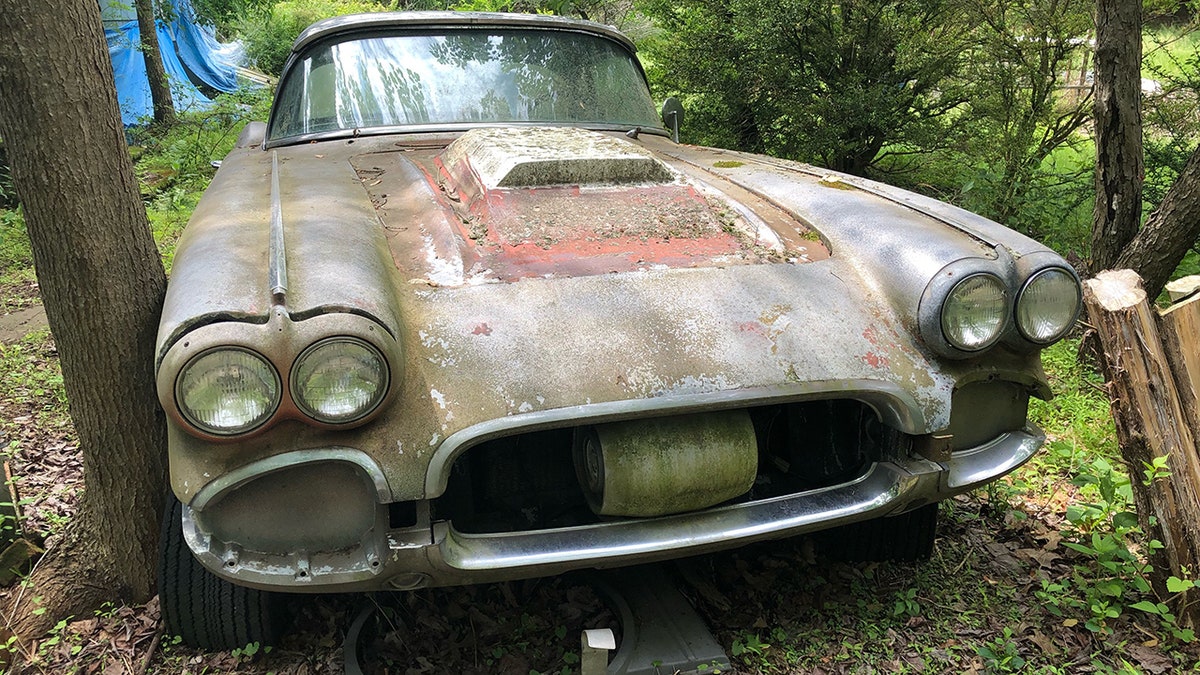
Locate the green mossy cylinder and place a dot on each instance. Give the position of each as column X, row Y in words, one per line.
column 666, row 465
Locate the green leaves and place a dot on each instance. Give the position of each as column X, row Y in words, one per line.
column 832, row 83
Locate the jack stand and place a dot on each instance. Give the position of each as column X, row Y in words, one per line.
column 661, row 634
column 594, row 647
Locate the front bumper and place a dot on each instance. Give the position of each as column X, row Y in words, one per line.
column 435, row 554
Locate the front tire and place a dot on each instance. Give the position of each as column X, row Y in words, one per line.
column 203, row 609
column 907, row 537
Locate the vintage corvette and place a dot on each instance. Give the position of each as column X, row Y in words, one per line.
column 462, row 311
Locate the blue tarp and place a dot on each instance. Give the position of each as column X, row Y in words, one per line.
column 191, row 56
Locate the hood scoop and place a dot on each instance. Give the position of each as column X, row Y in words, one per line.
column 530, row 157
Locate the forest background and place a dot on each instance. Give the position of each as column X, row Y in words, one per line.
column 983, row 104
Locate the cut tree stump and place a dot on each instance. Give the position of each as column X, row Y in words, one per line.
column 17, row 551
column 15, row 559
column 1183, row 287
column 1150, row 424
column 10, row 510
column 1179, row 327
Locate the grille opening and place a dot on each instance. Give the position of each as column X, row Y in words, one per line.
column 528, row 481
column 402, row 514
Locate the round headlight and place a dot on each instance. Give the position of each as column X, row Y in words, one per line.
column 339, row 380
column 227, row 391
column 1048, row 305
column 974, row 312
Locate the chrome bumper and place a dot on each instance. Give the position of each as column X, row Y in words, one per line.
column 438, row 555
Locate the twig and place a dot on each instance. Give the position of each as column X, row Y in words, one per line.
column 145, row 664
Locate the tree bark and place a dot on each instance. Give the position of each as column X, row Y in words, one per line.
column 160, row 87
column 1150, row 424
column 1118, row 119
column 102, row 283
column 1169, row 232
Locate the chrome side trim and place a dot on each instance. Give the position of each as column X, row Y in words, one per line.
column 895, row 407
column 277, row 258
column 249, row 472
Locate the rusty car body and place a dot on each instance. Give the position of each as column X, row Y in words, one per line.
column 463, row 311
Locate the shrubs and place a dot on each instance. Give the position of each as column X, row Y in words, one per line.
column 268, row 34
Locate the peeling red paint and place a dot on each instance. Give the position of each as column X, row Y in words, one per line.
column 753, row 327
column 508, row 234
column 482, row 329
column 875, row 360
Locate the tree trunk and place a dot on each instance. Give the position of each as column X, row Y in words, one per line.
column 102, row 282
column 1150, row 425
column 1118, row 113
column 1169, row 232
column 160, row 88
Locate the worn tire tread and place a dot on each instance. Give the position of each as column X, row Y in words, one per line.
column 907, row 537
column 204, row 610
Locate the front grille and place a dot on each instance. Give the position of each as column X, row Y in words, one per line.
column 529, row 481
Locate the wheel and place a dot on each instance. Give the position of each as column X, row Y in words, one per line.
column 204, row 610
column 907, row 537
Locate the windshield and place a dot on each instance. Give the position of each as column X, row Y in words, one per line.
column 468, row 76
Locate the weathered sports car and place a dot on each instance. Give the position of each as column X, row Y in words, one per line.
column 463, row 311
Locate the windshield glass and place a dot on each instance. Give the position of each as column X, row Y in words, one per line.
column 469, row 76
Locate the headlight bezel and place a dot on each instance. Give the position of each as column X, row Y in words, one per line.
column 279, row 339
column 1067, row 325
column 939, row 288
column 1014, row 273
column 188, row 413
column 1003, row 313
column 377, row 398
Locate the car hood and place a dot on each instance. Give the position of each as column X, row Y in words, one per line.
column 701, row 277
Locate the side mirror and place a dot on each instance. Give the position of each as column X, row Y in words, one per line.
column 253, row 135
column 672, row 116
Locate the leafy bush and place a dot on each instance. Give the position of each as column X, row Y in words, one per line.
column 175, row 165
column 15, row 253
column 8, row 191
column 268, row 35
column 224, row 14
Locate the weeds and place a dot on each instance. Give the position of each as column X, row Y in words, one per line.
column 34, row 379
column 175, row 166
column 1002, row 655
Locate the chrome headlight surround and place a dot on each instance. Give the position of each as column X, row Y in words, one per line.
column 347, row 395
column 226, row 369
column 1037, row 318
column 968, row 280
column 975, row 312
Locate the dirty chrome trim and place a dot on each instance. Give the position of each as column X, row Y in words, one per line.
column 895, row 407
column 883, row 486
column 975, row 466
column 435, row 554
column 277, row 258
column 244, row 474
column 887, row 487
column 425, row 20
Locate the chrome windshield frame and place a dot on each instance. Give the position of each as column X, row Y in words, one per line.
column 385, row 24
